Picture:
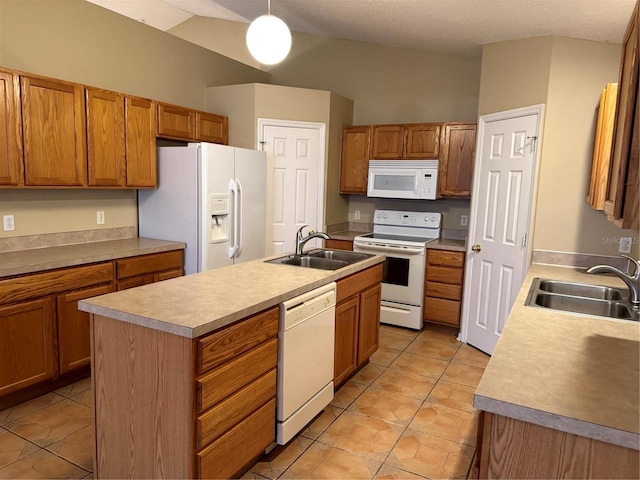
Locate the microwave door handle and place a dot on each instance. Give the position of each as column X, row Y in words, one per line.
column 390, row 249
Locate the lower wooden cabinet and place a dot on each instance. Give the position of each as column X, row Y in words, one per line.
column 443, row 287
column 142, row 270
column 338, row 244
column 357, row 322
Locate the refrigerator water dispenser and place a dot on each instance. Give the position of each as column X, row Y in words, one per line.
column 219, row 212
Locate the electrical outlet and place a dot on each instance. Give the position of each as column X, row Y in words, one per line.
column 357, row 215
column 464, row 220
column 100, row 217
column 625, row 245
column 8, row 223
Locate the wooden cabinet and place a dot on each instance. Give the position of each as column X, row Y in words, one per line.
column 212, row 128
column 335, row 244
column 142, row 270
column 411, row 141
column 176, row 122
column 457, row 157
column 140, row 142
column 10, row 130
column 443, row 286
column 208, row 404
column 354, row 163
column 357, row 321
column 53, row 132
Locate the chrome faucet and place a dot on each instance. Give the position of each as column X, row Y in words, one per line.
column 300, row 240
column 632, row 280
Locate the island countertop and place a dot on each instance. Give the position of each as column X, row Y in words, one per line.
column 569, row 372
column 197, row 304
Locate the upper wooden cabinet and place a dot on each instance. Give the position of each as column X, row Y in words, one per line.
column 140, row 142
column 10, row 130
column 354, row 164
column 54, row 132
column 457, row 159
column 179, row 123
column 412, row 141
column 212, row 128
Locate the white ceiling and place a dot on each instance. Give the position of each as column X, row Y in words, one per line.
column 453, row 27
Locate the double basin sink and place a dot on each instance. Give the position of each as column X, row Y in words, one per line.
column 322, row 259
column 582, row 298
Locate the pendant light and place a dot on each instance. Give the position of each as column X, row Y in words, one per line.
column 268, row 38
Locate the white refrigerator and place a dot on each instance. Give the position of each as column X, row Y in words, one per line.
column 211, row 197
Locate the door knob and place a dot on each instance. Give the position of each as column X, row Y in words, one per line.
column 476, row 248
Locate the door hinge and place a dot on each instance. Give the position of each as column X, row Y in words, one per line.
column 533, row 143
column 262, row 144
column 524, row 241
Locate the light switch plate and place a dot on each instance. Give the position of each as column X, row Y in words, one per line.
column 100, row 217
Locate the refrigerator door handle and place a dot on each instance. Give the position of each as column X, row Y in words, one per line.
column 239, row 217
column 234, row 242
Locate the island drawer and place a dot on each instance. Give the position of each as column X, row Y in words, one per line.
column 229, row 342
column 447, row 258
column 224, row 415
column 235, row 374
column 145, row 264
column 230, row 453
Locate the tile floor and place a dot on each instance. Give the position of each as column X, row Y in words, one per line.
column 407, row 414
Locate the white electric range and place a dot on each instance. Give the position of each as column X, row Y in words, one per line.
column 403, row 237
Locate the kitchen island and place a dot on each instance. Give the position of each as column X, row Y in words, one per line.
column 560, row 394
column 184, row 370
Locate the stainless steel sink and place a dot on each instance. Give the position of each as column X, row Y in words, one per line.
column 322, row 259
column 582, row 299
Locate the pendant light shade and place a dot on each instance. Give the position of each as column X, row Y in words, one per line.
column 268, row 39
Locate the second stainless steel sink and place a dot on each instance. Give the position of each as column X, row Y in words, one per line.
column 581, row 298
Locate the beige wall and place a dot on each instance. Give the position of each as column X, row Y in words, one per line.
column 77, row 41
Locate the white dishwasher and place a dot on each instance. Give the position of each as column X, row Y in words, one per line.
column 305, row 359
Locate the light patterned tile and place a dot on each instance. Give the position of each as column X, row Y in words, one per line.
column 76, row 448
column 397, row 342
column 420, row 365
column 85, row 398
column 250, row 476
column 75, row 388
column 276, row 462
column 463, row 374
column 384, row 356
column 368, row 374
column 440, row 335
column 53, row 423
column 388, row 472
column 429, row 348
column 453, row 395
column 347, row 394
column 404, row 383
column 388, row 406
column 42, row 464
column 450, row 423
column 392, row 329
column 471, row 356
column 321, row 422
column 367, row 437
column 13, row 447
column 14, row 413
column 326, row 462
column 430, row 456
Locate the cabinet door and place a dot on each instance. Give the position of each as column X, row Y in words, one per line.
column 422, row 141
column 26, row 344
column 456, row 163
column 346, row 340
column 212, row 128
column 388, row 142
column 354, row 163
column 176, row 122
column 105, row 138
column 10, row 131
column 73, row 329
column 140, row 142
column 369, row 324
column 54, row 133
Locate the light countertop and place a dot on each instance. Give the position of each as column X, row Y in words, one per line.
column 573, row 373
column 347, row 235
column 197, row 304
column 448, row 244
column 40, row 259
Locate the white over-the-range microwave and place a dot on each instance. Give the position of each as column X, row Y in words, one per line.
column 412, row 179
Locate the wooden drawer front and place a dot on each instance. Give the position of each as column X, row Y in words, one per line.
column 338, row 244
column 445, row 257
column 155, row 262
column 443, row 311
column 347, row 287
column 444, row 290
column 444, row 274
column 232, row 452
column 235, row 374
column 57, row 281
column 234, row 409
column 228, row 343
column 134, row 282
column 158, row 277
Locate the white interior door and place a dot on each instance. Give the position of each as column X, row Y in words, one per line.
column 295, row 181
column 500, row 221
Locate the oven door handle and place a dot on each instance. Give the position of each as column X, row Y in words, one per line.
column 390, row 249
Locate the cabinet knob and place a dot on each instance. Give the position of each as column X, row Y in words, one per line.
column 476, row 248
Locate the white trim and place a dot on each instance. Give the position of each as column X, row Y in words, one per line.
column 537, row 110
